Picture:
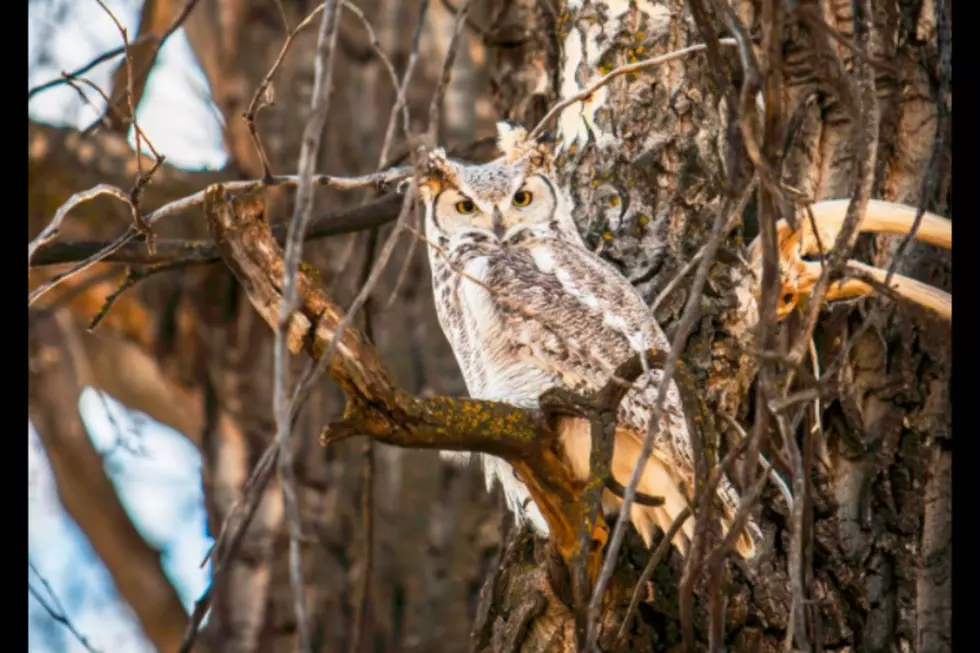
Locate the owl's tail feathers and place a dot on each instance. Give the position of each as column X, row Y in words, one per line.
column 751, row 534
column 656, row 481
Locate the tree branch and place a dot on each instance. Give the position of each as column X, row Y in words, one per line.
column 377, row 406
column 53, row 388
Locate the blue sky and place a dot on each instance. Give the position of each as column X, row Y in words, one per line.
column 155, row 470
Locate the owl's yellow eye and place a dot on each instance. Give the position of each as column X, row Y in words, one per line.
column 465, row 207
column 523, row 198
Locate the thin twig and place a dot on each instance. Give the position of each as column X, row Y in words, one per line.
column 400, row 100
column 322, row 88
column 382, row 179
column 128, row 62
column 56, row 611
column 133, row 276
column 618, row 72
column 386, row 62
column 400, row 104
column 372, row 270
column 435, row 107
column 136, row 127
column 50, row 232
column 158, row 43
column 197, row 251
column 66, row 77
column 264, row 94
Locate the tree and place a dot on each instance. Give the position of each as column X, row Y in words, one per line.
column 813, row 102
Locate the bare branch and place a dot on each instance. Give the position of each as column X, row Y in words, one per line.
column 50, row 232
column 264, row 94
column 67, row 78
column 322, row 88
column 341, row 183
column 400, row 100
column 150, row 58
column 435, row 108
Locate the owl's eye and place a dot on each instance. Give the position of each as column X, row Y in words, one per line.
column 523, row 198
column 465, row 207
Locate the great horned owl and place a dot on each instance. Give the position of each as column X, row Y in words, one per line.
column 527, row 307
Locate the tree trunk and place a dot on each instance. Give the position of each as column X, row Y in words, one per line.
column 651, row 159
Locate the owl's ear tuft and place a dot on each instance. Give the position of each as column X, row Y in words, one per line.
column 511, row 140
column 438, row 169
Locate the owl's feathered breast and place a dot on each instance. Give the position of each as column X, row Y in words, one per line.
column 537, row 313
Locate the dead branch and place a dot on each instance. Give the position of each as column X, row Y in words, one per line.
column 380, row 180
column 302, row 212
column 125, row 84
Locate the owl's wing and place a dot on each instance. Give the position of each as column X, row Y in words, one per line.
column 597, row 284
column 551, row 314
column 601, row 290
column 543, row 309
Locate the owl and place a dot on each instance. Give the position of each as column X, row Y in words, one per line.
column 527, row 307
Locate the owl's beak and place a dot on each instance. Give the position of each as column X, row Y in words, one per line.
column 497, row 220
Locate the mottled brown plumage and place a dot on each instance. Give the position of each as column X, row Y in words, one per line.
column 527, row 307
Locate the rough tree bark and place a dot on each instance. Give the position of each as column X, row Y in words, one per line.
column 662, row 152
column 650, row 159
